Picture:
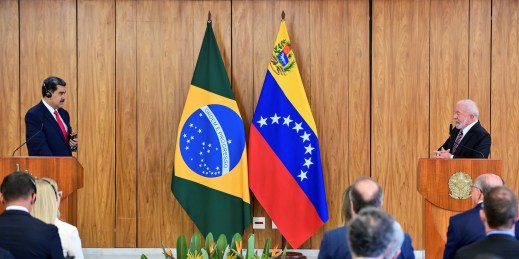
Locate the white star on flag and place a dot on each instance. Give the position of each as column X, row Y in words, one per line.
column 287, row 120
column 262, row 121
column 308, row 162
column 302, row 175
column 298, row 127
column 305, row 137
column 275, row 119
column 309, row 149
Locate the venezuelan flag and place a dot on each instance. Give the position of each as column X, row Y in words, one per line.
column 210, row 177
column 285, row 172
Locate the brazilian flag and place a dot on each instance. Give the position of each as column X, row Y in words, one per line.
column 210, row 178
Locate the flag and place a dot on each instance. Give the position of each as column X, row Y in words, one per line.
column 284, row 158
column 210, row 177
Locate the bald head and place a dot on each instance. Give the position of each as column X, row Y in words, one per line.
column 483, row 184
column 366, row 192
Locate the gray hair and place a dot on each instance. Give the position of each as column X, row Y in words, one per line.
column 470, row 106
column 374, row 233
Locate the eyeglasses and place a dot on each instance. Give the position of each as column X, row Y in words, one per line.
column 473, row 186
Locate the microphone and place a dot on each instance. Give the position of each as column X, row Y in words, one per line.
column 34, row 135
column 471, row 149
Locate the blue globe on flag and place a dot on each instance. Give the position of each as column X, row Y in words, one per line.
column 204, row 143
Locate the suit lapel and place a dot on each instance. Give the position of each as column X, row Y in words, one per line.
column 52, row 121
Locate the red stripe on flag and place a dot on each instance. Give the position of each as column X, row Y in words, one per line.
column 279, row 193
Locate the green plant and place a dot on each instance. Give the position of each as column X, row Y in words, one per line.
column 219, row 249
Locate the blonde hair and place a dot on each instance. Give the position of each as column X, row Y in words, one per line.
column 47, row 201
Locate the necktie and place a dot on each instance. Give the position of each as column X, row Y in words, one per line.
column 457, row 141
column 60, row 123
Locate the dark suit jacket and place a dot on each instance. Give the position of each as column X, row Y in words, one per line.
column 4, row 254
column 28, row 237
column 464, row 229
column 500, row 245
column 475, row 144
column 335, row 245
column 50, row 141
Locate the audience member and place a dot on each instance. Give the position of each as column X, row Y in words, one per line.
column 499, row 215
column 46, row 208
column 364, row 192
column 466, row 228
column 374, row 234
column 23, row 235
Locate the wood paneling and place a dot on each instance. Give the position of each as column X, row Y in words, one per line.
column 400, row 106
column 165, row 64
column 9, row 78
column 340, row 96
column 505, row 88
column 126, row 184
column 96, row 94
column 479, row 58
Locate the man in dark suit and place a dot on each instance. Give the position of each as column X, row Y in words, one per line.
column 23, row 235
column 364, row 192
column 48, row 130
column 466, row 228
column 469, row 139
column 499, row 214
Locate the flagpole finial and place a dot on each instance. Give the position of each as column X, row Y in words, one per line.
column 283, row 15
column 209, row 17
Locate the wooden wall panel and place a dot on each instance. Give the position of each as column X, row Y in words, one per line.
column 10, row 79
column 126, row 184
column 47, row 47
column 449, row 64
column 96, row 93
column 400, row 106
column 505, row 88
column 163, row 77
column 340, row 96
column 479, row 58
column 242, row 71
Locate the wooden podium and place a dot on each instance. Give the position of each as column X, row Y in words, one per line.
column 433, row 185
column 66, row 171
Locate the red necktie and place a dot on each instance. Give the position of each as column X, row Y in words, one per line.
column 60, row 123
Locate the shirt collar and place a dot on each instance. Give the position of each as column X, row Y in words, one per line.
column 51, row 110
column 466, row 129
column 17, row 207
column 501, row 232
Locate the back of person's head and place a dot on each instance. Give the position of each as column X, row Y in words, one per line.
column 470, row 106
column 374, row 233
column 485, row 182
column 500, row 207
column 366, row 192
column 46, row 206
column 346, row 206
column 50, row 84
column 17, row 186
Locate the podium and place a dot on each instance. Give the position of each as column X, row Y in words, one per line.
column 443, row 185
column 66, row 171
